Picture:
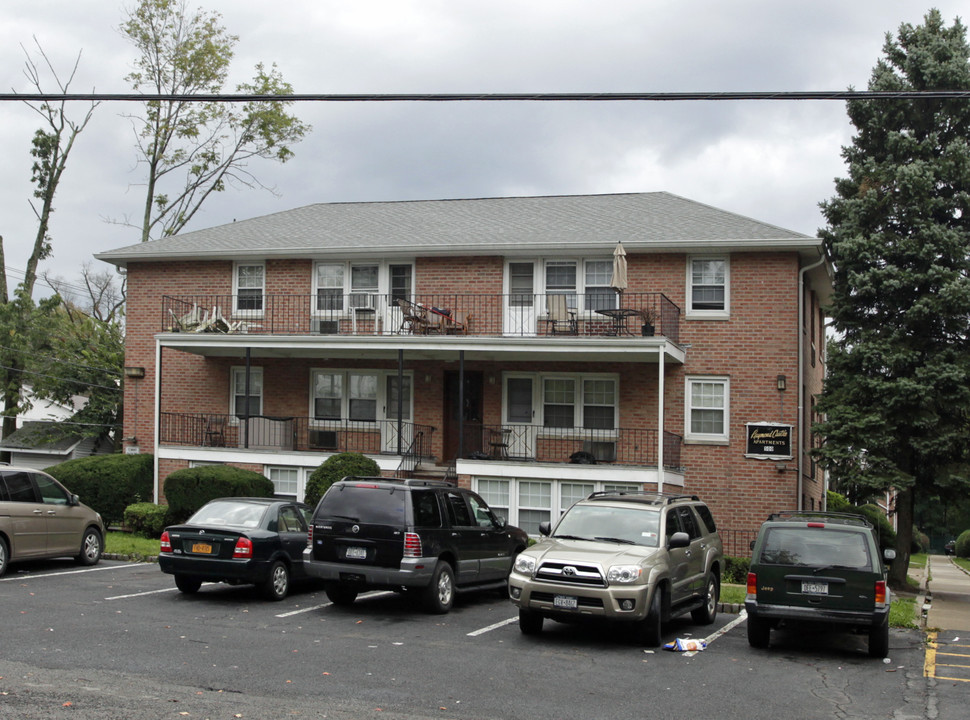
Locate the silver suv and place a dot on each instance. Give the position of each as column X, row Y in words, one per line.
column 641, row 558
column 40, row 518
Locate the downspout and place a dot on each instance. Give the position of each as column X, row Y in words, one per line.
column 157, row 413
column 801, row 375
column 660, row 419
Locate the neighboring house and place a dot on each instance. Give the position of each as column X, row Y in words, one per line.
column 483, row 339
column 43, row 409
column 42, row 444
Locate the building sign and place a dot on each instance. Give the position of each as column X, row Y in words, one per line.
column 768, row 440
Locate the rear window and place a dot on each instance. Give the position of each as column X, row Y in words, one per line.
column 364, row 503
column 814, row 547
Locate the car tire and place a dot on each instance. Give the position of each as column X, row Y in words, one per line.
column 341, row 595
column 879, row 640
column 91, row 548
column 530, row 622
column 440, row 594
column 706, row 614
column 277, row 584
column 188, row 585
column 4, row 556
column 759, row 632
column 650, row 631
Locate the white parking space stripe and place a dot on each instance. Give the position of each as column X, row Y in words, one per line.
column 496, row 626
column 731, row 625
column 372, row 594
column 30, row 576
column 147, row 592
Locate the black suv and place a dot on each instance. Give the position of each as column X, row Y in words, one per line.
column 822, row 568
column 422, row 536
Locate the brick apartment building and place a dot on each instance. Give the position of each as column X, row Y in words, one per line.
column 491, row 340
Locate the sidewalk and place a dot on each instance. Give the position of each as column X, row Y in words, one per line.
column 947, row 595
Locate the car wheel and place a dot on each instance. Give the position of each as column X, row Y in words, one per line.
column 879, row 640
column 530, row 623
column 277, row 585
column 759, row 632
column 4, row 556
column 91, row 547
column 706, row 614
column 650, row 631
column 440, row 594
column 188, row 585
column 341, row 594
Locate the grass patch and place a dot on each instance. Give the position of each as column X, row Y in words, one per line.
column 733, row 593
column 134, row 546
column 962, row 562
column 917, row 560
column 902, row 613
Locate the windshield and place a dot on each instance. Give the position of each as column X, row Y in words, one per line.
column 639, row 526
column 227, row 512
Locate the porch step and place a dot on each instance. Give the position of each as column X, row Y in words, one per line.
column 431, row 472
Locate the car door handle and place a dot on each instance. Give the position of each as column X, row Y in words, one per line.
column 38, row 512
column 52, row 512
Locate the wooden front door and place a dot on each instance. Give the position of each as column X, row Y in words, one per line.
column 470, row 415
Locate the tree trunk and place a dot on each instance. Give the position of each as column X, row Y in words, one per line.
column 904, row 538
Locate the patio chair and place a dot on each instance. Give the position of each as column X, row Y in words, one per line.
column 414, row 318
column 560, row 319
column 215, row 431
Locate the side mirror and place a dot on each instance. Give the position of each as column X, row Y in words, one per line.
column 679, row 540
column 499, row 522
column 889, row 554
column 545, row 528
column 751, row 545
column 75, row 500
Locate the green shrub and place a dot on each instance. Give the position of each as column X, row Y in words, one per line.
column 108, row 483
column 334, row 468
column 146, row 519
column 962, row 548
column 189, row 489
column 873, row 513
column 837, row 503
column 735, row 570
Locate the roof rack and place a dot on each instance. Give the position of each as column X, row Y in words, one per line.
column 659, row 498
column 823, row 515
column 412, row 482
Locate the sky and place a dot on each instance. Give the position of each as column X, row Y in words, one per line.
column 774, row 161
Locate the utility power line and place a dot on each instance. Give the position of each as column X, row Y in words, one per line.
column 496, row 97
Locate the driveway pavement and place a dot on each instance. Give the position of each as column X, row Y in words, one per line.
column 947, row 621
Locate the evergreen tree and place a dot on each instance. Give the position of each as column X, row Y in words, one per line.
column 898, row 392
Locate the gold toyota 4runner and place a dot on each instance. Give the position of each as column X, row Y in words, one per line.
column 641, row 558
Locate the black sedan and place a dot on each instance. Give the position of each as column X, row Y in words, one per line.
column 240, row 541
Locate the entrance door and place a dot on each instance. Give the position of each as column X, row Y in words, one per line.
column 520, row 302
column 390, row 428
column 471, row 415
column 400, row 278
column 519, row 415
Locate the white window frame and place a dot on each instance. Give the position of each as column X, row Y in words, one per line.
column 382, row 398
column 578, row 380
column 240, row 372
column 272, row 470
column 702, row 312
column 698, row 437
column 354, row 296
column 317, row 287
column 236, row 288
column 576, row 298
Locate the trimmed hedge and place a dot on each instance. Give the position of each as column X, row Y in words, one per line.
column 189, row 489
column 736, row 570
column 962, row 548
column 108, row 483
column 334, row 468
column 873, row 513
column 146, row 519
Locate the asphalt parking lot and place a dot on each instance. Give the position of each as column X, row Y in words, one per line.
column 118, row 640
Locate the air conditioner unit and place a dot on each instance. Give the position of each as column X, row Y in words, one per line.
column 323, row 439
column 603, row 451
column 325, row 327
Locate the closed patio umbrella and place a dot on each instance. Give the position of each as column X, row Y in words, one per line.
column 618, row 281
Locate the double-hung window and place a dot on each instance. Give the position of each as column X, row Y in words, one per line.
column 708, row 286
column 330, row 287
column 561, row 280
column 250, row 282
column 599, row 294
column 247, row 401
column 707, row 409
column 338, row 395
column 363, row 285
column 586, row 284
column 579, row 402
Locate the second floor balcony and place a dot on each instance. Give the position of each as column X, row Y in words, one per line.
column 602, row 314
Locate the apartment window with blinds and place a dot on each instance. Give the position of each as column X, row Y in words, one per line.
column 707, row 409
column 707, row 280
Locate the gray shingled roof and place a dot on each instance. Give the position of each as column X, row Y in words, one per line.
column 657, row 221
column 51, row 437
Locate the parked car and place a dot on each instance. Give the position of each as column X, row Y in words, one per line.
column 425, row 537
column 820, row 568
column 950, row 548
column 239, row 541
column 40, row 518
column 638, row 558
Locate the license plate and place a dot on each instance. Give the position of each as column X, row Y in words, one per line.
column 814, row 588
column 566, row 602
column 356, row 553
column 203, row 548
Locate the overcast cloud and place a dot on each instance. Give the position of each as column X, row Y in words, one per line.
column 773, row 161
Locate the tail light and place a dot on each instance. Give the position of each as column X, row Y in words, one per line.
column 309, row 536
column 165, row 543
column 880, row 593
column 752, row 585
column 243, row 549
column 412, row 545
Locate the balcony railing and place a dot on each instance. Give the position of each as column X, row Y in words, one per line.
column 601, row 314
column 526, row 443
column 283, row 434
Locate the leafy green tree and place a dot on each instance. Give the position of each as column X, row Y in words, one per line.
column 192, row 149
column 898, row 392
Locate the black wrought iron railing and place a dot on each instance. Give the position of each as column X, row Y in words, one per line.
column 281, row 434
column 603, row 314
column 411, row 458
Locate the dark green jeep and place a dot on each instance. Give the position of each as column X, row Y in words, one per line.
column 818, row 567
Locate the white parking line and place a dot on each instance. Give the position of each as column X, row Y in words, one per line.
column 495, row 626
column 29, row 576
column 372, row 594
column 147, row 592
